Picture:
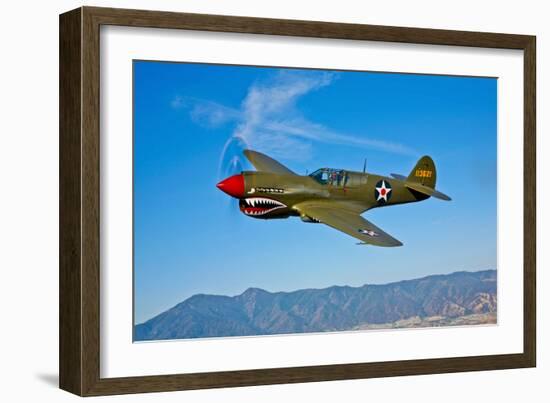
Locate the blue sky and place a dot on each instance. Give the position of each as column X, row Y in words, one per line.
column 191, row 122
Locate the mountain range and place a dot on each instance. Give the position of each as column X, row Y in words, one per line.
column 457, row 298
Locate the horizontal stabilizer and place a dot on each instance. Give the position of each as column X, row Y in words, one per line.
column 428, row 191
column 400, row 177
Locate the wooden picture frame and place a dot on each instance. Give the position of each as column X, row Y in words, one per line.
column 79, row 280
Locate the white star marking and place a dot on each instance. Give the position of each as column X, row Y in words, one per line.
column 383, row 192
column 368, row 232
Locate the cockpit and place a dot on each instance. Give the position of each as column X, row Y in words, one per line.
column 333, row 177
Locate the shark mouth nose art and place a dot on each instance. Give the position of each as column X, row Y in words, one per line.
column 257, row 206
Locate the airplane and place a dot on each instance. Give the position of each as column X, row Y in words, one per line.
column 335, row 197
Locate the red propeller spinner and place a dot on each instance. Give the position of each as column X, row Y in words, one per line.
column 233, row 186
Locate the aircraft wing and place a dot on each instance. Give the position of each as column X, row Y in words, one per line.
column 264, row 163
column 337, row 216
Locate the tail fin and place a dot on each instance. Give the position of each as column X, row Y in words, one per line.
column 423, row 172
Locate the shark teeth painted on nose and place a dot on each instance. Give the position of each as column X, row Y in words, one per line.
column 257, row 206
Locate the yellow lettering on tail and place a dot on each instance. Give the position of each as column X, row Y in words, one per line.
column 423, row 173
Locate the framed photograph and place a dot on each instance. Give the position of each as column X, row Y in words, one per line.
column 248, row 201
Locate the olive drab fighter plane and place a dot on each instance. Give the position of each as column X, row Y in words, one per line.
column 334, row 197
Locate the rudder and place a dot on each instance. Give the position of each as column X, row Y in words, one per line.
column 423, row 172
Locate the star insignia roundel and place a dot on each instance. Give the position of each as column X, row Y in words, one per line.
column 382, row 191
